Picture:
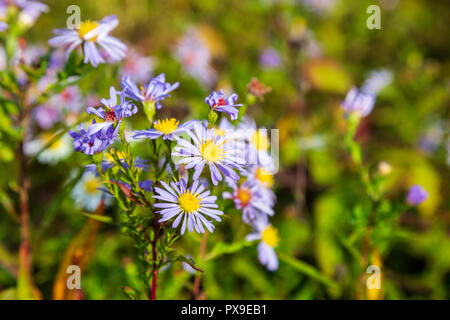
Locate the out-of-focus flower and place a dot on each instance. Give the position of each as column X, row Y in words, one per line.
column 155, row 91
column 3, row 26
column 59, row 150
column 269, row 240
column 376, row 81
column 137, row 67
column 92, row 36
column 114, row 114
column 269, row 58
column 220, row 154
column 384, row 168
column 195, row 57
column 257, row 147
column 320, row 6
column 258, row 89
column 416, row 195
column 46, row 116
column 218, row 102
column 31, row 10
column 70, row 99
column 189, row 204
column 248, row 198
column 87, row 192
column 167, row 128
column 358, row 102
column 361, row 102
column 433, row 136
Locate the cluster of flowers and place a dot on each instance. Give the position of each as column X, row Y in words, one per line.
column 234, row 154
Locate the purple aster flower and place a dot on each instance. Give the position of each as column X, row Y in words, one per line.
column 416, row 195
column 250, row 200
column 93, row 143
column 270, row 58
column 114, row 114
column 221, row 154
column 92, row 36
column 358, row 102
column 167, row 128
column 190, row 204
column 155, row 91
column 268, row 235
column 218, row 102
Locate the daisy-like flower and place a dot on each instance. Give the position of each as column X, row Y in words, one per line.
column 250, row 200
column 263, row 176
column 154, row 91
column 190, row 204
column 167, row 128
column 269, row 240
column 257, row 147
column 416, row 195
column 114, row 114
column 218, row 102
column 358, row 102
column 91, row 144
column 57, row 151
column 88, row 191
column 92, row 36
column 221, row 154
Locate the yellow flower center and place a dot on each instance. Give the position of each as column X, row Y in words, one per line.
column 219, row 132
column 259, row 140
column 264, row 177
column 244, row 195
column 189, row 202
column 91, row 185
column 86, row 27
column 210, row 151
column 166, row 126
column 270, row 236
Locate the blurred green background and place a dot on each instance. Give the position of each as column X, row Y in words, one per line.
column 323, row 51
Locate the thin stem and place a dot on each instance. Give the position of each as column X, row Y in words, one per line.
column 198, row 277
column 154, row 256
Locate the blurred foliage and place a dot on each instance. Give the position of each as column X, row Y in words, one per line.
column 320, row 211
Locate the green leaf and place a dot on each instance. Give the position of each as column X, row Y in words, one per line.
column 97, row 217
column 222, row 248
column 307, row 270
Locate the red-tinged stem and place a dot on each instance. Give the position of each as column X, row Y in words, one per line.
column 154, row 256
